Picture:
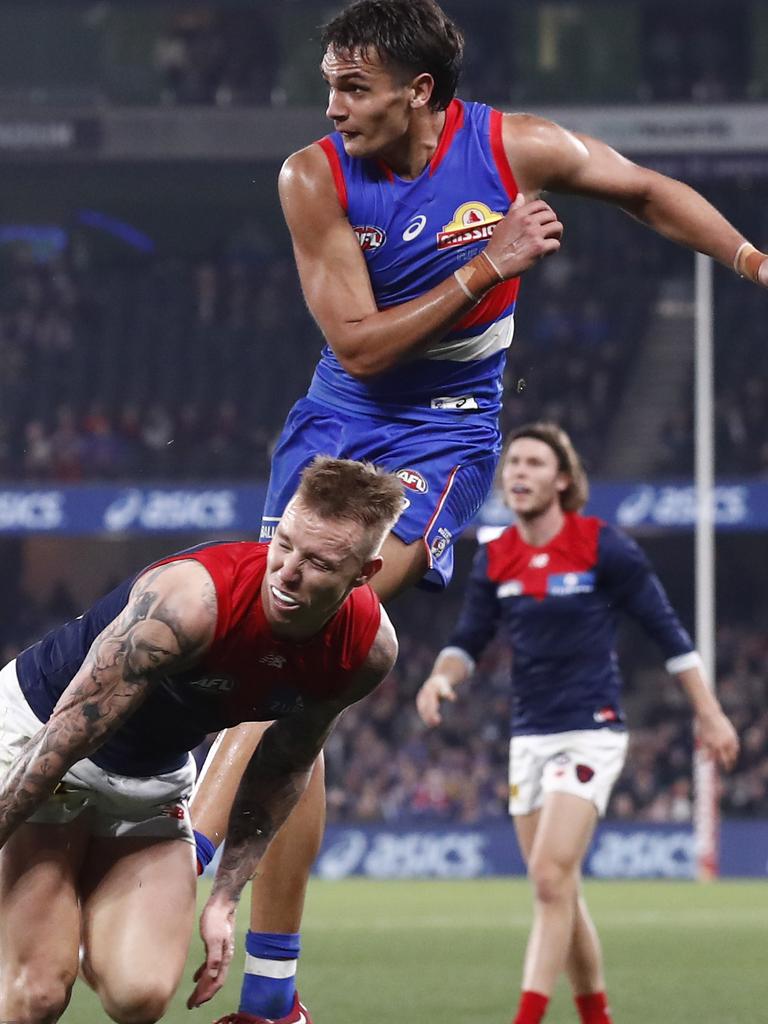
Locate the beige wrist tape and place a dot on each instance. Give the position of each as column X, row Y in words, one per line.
column 748, row 260
column 477, row 276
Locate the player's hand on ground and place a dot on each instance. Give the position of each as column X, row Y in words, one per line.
column 217, row 928
column 528, row 232
column 719, row 737
column 435, row 689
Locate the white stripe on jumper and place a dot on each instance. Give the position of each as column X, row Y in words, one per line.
column 495, row 338
column 269, row 968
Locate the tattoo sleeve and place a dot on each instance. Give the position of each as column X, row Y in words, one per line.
column 147, row 640
column 270, row 788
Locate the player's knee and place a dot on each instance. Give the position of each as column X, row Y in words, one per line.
column 144, row 1004
column 37, row 999
column 552, row 882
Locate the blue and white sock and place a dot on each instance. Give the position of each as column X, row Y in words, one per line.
column 269, row 984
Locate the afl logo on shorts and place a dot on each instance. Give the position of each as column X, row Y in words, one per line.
column 370, row 237
column 412, row 480
column 584, row 773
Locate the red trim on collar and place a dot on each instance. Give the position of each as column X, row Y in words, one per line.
column 454, row 120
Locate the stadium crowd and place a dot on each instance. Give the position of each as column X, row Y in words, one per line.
column 203, row 55
column 383, row 765
column 167, row 368
column 184, row 369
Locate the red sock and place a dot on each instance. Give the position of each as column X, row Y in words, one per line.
column 531, row 1009
column 593, row 1008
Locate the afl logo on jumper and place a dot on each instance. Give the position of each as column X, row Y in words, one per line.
column 370, row 237
column 472, row 222
column 412, row 480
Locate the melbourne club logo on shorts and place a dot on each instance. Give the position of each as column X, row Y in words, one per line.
column 176, row 811
column 413, row 480
column 584, row 773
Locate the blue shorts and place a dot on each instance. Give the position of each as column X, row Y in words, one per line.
column 447, row 467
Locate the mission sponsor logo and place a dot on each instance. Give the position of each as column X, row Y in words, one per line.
column 472, row 222
column 413, row 480
column 370, row 237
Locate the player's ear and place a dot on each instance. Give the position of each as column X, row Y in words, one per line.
column 368, row 571
column 422, row 87
column 562, row 483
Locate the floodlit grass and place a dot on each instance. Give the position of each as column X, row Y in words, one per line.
column 418, row 951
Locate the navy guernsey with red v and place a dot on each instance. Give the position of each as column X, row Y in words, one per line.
column 558, row 606
column 248, row 673
column 414, row 235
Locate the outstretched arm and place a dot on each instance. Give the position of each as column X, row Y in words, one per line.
column 270, row 788
column 166, row 625
column 711, row 725
column 337, row 288
column 546, row 156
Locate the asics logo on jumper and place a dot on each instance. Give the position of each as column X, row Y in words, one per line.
column 273, row 660
column 415, row 228
column 458, row 402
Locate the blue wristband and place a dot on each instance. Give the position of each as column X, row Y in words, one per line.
column 205, row 849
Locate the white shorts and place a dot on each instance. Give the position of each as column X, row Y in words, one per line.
column 115, row 805
column 585, row 762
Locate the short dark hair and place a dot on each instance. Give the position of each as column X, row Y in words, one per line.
column 575, row 496
column 415, row 35
column 346, row 489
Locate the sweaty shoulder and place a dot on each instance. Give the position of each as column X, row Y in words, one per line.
column 381, row 657
column 540, row 152
column 307, row 175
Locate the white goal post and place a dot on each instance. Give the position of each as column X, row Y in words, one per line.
column 706, row 811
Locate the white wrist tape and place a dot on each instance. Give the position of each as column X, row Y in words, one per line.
column 682, row 662
column 459, row 652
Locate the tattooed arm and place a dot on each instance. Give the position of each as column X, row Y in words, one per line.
column 270, row 788
column 167, row 624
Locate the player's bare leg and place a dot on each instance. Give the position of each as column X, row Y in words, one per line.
column 40, row 921
column 556, row 844
column 138, row 917
column 584, row 965
column 404, row 565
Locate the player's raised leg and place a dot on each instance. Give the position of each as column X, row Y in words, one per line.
column 138, row 906
column 554, row 841
column 40, row 921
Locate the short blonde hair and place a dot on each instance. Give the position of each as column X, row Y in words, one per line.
column 346, row 489
column 576, row 494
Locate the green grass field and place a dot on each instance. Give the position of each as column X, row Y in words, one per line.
column 412, row 952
